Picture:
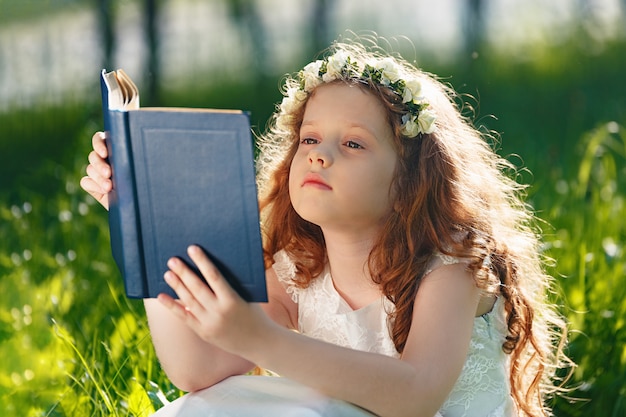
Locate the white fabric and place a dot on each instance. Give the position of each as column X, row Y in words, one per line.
column 481, row 390
column 323, row 314
column 258, row 396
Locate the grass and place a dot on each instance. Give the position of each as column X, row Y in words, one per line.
column 72, row 344
column 587, row 241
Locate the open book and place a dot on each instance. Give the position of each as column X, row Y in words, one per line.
column 180, row 177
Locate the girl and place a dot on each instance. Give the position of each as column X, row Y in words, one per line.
column 395, row 246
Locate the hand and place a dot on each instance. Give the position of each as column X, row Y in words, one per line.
column 215, row 313
column 98, row 180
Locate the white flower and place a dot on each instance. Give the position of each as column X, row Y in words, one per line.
column 334, row 66
column 310, row 75
column 389, row 71
column 412, row 91
column 386, row 71
column 426, row 121
column 409, row 127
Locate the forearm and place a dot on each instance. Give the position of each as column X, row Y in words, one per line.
column 380, row 384
column 189, row 362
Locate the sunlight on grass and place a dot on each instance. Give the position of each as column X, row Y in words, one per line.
column 588, row 247
column 72, row 344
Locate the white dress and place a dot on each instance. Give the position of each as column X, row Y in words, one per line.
column 482, row 389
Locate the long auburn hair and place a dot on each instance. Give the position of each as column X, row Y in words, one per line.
column 453, row 195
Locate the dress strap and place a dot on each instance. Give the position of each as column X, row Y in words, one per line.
column 439, row 259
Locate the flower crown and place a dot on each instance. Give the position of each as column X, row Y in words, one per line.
column 419, row 118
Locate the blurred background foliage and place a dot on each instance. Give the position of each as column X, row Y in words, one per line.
column 549, row 78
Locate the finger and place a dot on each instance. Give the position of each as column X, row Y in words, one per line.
column 98, row 142
column 100, row 171
column 101, row 166
column 173, row 304
column 98, row 187
column 177, row 308
column 211, row 274
column 92, row 187
column 187, row 299
column 98, row 183
column 188, row 285
column 88, row 184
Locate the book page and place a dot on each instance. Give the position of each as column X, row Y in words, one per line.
column 122, row 91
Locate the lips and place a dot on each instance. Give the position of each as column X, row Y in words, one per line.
column 315, row 180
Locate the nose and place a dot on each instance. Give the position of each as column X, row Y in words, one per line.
column 318, row 156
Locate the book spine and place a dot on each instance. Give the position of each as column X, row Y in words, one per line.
column 124, row 225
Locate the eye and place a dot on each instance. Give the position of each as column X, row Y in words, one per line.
column 308, row 141
column 353, row 145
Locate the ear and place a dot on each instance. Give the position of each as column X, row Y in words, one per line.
column 394, row 193
column 396, row 206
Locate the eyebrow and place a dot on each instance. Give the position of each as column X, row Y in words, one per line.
column 351, row 125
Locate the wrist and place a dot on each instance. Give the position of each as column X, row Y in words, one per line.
column 262, row 347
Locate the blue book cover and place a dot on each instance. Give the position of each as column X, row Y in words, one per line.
column 180, row 177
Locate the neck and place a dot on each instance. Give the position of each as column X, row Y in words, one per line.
column 347, row 259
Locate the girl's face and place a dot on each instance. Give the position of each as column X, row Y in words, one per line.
column 341, row 174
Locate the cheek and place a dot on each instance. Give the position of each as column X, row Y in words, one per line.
column 372, row 189
column 292, row 180
column 385, row 189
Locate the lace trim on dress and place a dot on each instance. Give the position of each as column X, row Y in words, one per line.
column 285, row 270
column 482, row 387
column 323, row 314
column 439, row 259
column 484, row 378
column 447, row 259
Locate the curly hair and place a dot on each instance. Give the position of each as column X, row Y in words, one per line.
column 453, row 196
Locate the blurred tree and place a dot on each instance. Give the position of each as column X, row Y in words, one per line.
column 105, row 22
column 474, row 26
column 246, row 15
column 152, row 64
column 322, row 10
column 473, row 36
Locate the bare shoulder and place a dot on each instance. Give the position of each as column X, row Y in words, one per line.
column 460, row 279
column 280, row 307
column 441, row 326
column 449, row 280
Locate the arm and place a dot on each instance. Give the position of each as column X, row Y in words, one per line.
column 417, row 384
column 189, row 362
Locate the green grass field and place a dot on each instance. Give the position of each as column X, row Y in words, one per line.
column 72, row 345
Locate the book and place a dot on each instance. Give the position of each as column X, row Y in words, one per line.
column 180, row 177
